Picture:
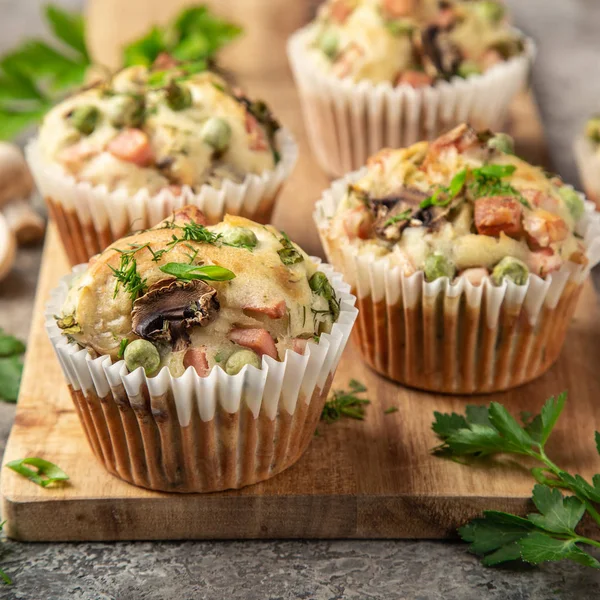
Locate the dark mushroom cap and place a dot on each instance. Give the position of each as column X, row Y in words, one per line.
column 384, row 209
column 171, row 307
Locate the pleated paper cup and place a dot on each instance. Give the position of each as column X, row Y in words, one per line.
column 588, row 163
column 90, row 217
column 201, row 434
column 347, row 121
column 453, row 336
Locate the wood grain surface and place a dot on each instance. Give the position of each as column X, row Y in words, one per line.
column 369, row 479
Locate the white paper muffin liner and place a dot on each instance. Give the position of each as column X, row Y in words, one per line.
column 90, row 217
column 453, row 336
column 588, row 163
column 347, row 122
column 201, row 434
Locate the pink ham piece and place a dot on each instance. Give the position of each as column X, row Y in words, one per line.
column 544, row 228
column 273, row 311
column 196, row 357
column 544, row 261
column 358, row 223
column 258, row 142
column 299, row 345
column 259, row 340
column 132, row 145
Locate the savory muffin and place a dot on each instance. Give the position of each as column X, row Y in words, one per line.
column 447, row 245
column 199, row 296
column 388, row 73
column 230, row 336
column 163, row 138
column 464, row 204
column 412, row 43
column 151, row 130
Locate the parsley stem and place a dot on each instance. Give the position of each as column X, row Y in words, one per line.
column 543, row 457
column 584, row 540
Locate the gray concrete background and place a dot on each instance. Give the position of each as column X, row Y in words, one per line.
column 566, row 81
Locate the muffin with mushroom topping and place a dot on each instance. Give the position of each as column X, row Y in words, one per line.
column 587, row 153
column 466, row 260
column 377, row 73
column 204, row 353
column 121, row 155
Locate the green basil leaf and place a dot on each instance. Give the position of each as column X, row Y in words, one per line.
column 69, row 28
column 46, row 473
column 205, row 272
column 145, row 50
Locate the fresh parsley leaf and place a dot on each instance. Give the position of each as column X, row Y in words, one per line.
column 69, row 28
column 10, row 345
column 188, row 272
column 597, row 436
column 145, row 50
column 446, row 424
column 478, row 414
column 558, row 514
column 508, row 427
column 45, row 473
column 538, row 547
column 11, row 371
column 391, row 410
column 495, row 171
column 346, row 403
column 550, row 414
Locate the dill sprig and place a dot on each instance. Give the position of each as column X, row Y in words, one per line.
column 128, row 277
column 346, row 403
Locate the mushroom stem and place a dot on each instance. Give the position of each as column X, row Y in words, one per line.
column 24, row 221
column 8, row 247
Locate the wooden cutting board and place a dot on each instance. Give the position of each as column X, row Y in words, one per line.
column 359, row 479
column 369, row 479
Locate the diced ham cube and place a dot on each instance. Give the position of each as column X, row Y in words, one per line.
column 462, row 138
column 544, row 228
column 498, row 214
column 258, row 141
column 196, row 357
column 276, row 310
column 539, row 199
column 358, row 223
column 259, row 340
column 132, row 145
column 74, row 156
column 398, row 8
column 544, row 261
column 340, row 10
column 416, row 79
column 188, row 214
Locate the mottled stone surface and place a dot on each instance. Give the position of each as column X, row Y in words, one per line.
column 567, row 85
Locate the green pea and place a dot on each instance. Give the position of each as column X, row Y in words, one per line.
column 216, row 132
column 127, row 110
column 178, row 96
column 468, row 68
column 142, row 353
column 85, row 118
column 328, row 43
column 592, row 129
column 502, row 142
column 239, row 359
column 240, row 236
column 490, row 10
column 320, row 285
column 573, row 201
column 436, row 266
column 511, row 268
